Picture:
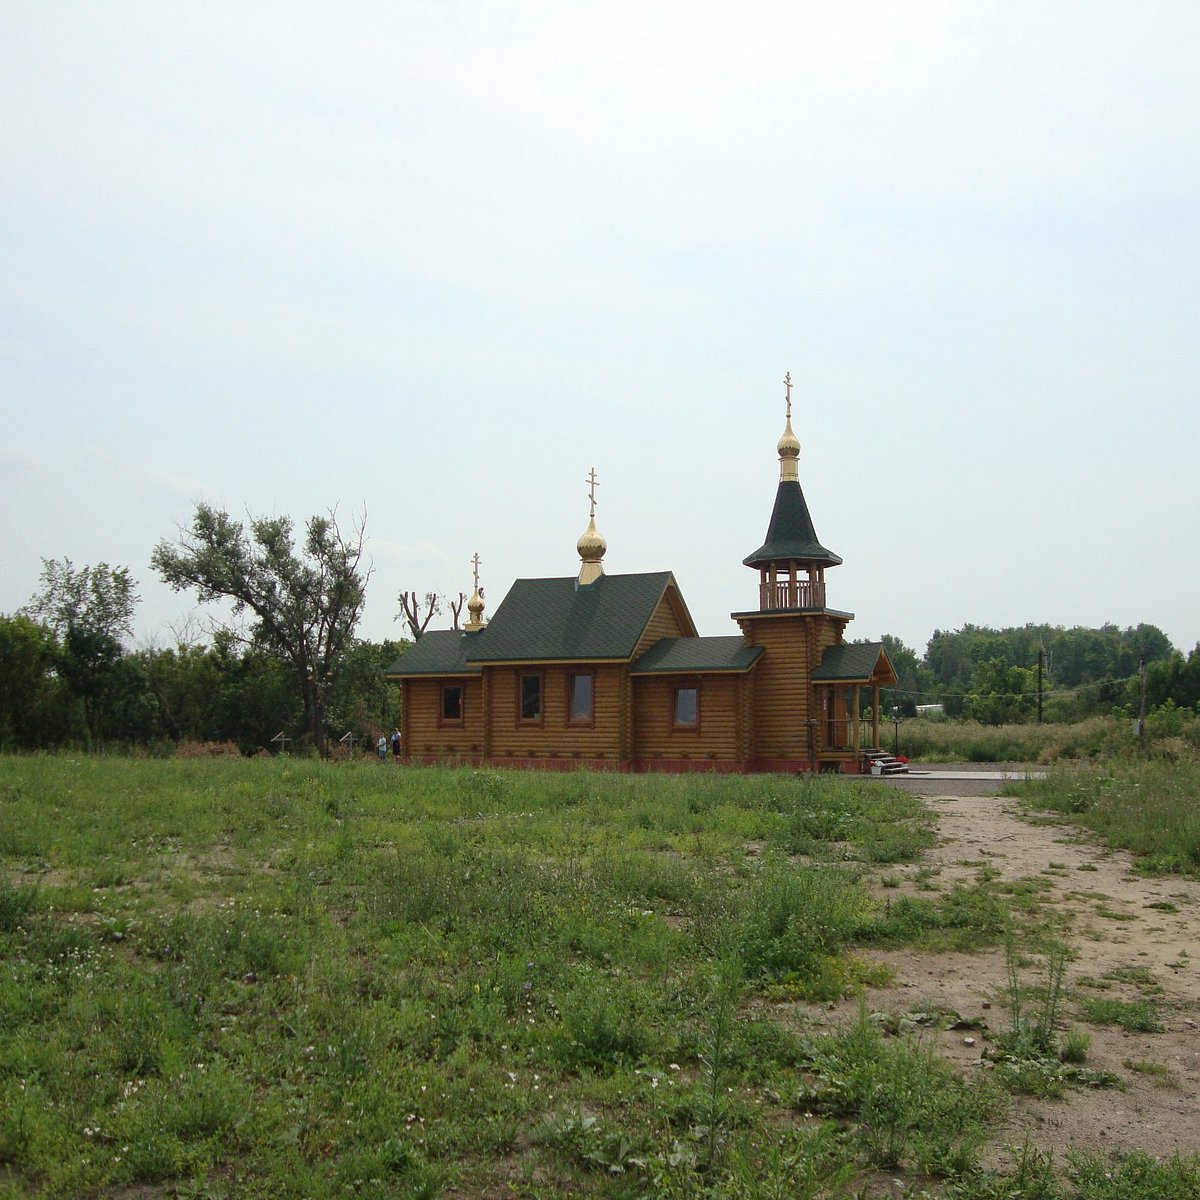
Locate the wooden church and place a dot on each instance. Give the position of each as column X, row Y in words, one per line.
column 608, row 671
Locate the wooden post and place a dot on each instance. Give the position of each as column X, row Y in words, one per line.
column 856, row 717
column 875, row 716
column 485, row 704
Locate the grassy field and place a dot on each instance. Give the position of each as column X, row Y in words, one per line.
column 282, row 978
column 1172, row 735
column 1150, row 807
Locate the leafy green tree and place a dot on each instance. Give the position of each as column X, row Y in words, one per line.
column 1175, row 680
column 913, row 676
column 364, row 703
column 90, row 609
column 306, row 603
column 223, row 692
column 1001, row 694
column 34, row 706
column 99, row 599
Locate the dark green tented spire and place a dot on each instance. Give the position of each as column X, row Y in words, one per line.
column 790, row 536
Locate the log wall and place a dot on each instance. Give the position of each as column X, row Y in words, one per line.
column 425, row 737
column 552, row 737
column 719, row 733
column 783, row 700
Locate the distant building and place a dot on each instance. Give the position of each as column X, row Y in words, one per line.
column 607, row 671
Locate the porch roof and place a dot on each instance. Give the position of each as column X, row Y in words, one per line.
column 855, row 662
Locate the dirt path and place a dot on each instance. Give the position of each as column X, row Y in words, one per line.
column 1133, row 939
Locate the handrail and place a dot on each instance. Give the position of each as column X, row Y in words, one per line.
column 839, row 734
column 788, row 593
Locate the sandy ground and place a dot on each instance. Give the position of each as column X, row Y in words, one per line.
column 1124, row 948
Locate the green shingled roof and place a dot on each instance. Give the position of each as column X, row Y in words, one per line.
column 697, row 655
column 436, row 652
column 549, row 619
column 853, row 663
column 791, row 536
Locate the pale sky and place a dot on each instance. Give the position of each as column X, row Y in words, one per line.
column 434, row 261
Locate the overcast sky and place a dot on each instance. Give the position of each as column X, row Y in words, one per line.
column 434, row 261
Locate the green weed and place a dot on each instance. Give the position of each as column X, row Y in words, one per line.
column 1134, row 1016
column 16, row 903
column 1147, row 807
column 908, row 1106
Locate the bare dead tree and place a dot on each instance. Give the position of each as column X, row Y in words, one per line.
column 410, row 610
column 456, row 607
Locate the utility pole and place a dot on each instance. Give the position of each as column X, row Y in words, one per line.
column 1041, row 652
column 1141, row 725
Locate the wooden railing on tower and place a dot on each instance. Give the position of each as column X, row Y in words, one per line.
column 788, row 593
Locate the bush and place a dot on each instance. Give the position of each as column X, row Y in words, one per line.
column 190, row 749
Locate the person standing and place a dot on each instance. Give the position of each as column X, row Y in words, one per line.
column 396, row 743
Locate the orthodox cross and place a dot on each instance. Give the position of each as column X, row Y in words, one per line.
column 591, row 481
column 475, row 564
column 788, row 380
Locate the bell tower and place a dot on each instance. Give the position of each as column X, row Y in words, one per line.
column 792, row 621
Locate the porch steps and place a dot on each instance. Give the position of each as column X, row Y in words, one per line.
column 880, row 762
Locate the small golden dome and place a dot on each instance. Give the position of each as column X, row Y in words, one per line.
column 591, row 545
column 789, row 444
column 475, row 604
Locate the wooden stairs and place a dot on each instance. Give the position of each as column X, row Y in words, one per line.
column 880, row 762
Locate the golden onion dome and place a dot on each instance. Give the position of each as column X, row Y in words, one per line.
column 591, row 545
column 789, row 444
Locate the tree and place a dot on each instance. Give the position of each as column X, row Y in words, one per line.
column 1174, row 679
column 306, row 604
column 410, row 610
column 908, row 671
column 1001, row 694
column 34, row 706
column 94, row 600
column 226, row 692
column 90, row 609
column 364, row 702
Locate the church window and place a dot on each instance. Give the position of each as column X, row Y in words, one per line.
column 452, row 704
column 531, row 697
column 580, row 697
column 687, row 708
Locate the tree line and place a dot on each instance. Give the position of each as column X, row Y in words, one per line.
column 288, row 664
column 996, row 676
